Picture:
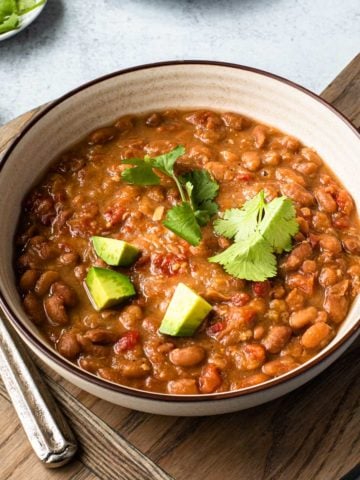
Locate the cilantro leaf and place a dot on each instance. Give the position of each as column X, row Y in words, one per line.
column 10, row 23
column 260, row 230
column 133, row 161
column 166, row 162
column 250, row 260
column 182, row 221
column 140, row 175
column 202, row 189
column 26, row 6
column 279, row 224
column 241, row 223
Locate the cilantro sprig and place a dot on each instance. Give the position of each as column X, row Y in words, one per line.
column 259, row 230
column 197, row 191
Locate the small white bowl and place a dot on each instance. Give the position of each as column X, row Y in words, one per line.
column 268, row 98
column 25, row 21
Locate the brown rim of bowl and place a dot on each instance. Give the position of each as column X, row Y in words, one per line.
column 98, row 381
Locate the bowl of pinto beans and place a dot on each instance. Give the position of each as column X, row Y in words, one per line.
column 182, row 238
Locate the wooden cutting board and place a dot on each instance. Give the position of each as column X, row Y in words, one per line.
column 310, row 434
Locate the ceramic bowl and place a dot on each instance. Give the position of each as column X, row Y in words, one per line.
column 260, row 95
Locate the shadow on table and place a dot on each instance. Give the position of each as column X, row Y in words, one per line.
column 40, row 33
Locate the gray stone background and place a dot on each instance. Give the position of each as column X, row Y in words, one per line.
column 73, row 41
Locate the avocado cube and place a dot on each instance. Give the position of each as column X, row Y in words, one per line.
column 107, row 288
column 185, row 312
column 115, row 252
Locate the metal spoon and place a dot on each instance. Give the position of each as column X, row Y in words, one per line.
column 46, row 428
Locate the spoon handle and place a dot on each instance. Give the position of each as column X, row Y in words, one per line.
column 46, row 428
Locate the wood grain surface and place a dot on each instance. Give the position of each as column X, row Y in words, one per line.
column 310, row 434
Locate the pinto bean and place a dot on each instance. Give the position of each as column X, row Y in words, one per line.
column 336, row 302
column 297, row 256
column 328, row 276
column 217, row 169
column 134, row 368
column 311, row 156
column 306, row 168
column 316, row 336
column 352, row 245
column 55, row 310
column 248, row 357
column 259, row 135
column 295, row 300
column 65, row 293
column 183, row 386
column 103, row 135
column 330, row 244
column 344, row 202
column 297, row 193
column 325, row 200
column 69, row 258
column 210, row 379
column 252, row 380
column 233, row 120
column 271, row 158
column 28, row 280
column 303, row 317
column 68, row 346
column 187, row 356
column 101, row 335
column 251, row 160
column 45, row 281
column 321, row 221
column 281, row 365
column 277, row 338
column 289, row 176
column 303, row 282
column 33, row 308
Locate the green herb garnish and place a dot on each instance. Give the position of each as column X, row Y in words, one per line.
column 197, row 191
column 259, row 230
column 11, row 12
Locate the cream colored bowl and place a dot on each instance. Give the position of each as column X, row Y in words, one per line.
column 257, row 94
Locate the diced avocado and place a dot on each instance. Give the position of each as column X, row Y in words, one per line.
column 108, row 288
column 185, row 312
column 115, row 252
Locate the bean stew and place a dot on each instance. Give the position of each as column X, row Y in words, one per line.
column 256, row 330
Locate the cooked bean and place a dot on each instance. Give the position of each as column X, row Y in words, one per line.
column 344, row 202
column 289, row 176
column 336, row 302
column 352, row 245
column 281, row 365
column 101, row 335
column 66, row 293
column 103, row 135
column 295, row 300
column 249, row 357
column 317, row 335
column 68, row 346
column 297, row 256
column 45, row 281
column 187, row 356
column 28, row 280
column 210, row 379
column 306, row 168
column 134, row 368
column 297, row 193
column 303, row 282
column 303, row 317
column 33, row 308
column 183, row 386
column 251, row 161
column 69, row 258
column 328, row 276
column 271, row 158
column 325, row 200
column 233, row 120
column 55, row 310
column 321, row 221
column 252, row 380
column 259, row 135
column 330, row 243
column 277, row 338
